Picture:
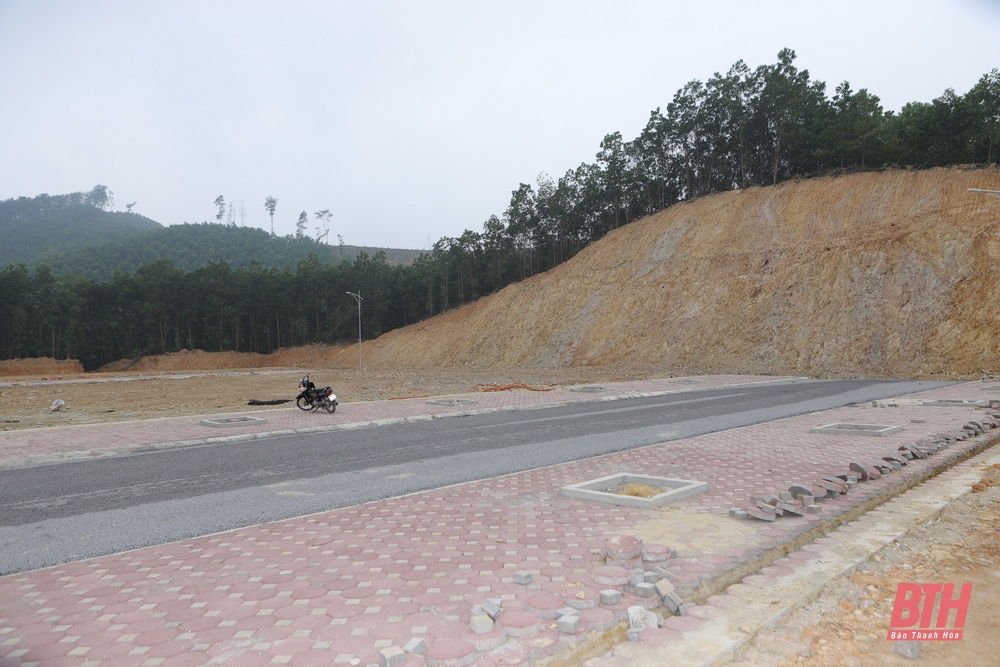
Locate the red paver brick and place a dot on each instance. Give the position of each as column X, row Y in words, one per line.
column 450, row 653
column 623, row 547
column 610, row 575
column 520, row 623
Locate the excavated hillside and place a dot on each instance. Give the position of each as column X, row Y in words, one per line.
column 876, row 274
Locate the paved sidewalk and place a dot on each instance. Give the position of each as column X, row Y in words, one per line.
column 407, row 581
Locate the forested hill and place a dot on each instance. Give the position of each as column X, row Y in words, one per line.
column 192, row 246
column 32, row 227
column 74, row 235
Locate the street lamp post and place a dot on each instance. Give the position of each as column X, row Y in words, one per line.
column 357, row 297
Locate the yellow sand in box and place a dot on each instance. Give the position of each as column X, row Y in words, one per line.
column 640, row 491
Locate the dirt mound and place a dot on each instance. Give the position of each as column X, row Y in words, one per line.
column 40, row 366
column 877, row 274
column 310, row 356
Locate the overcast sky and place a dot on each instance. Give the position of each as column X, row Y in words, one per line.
column 413, row 120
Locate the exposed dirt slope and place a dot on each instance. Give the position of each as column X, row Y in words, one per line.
column 876, row 274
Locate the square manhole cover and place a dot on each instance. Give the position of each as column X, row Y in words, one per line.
column 856, row 429
column 234, row 421
column 613, row 488
column 452, row 401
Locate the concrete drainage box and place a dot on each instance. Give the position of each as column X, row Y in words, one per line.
column 956, row 403
column 856, row 429
column 234, row 421
column 604, row 490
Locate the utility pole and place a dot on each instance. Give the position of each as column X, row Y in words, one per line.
column 357, row 297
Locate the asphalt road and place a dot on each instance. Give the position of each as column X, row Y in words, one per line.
column 54, row 513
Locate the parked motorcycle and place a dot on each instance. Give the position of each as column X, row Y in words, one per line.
column 311, row 398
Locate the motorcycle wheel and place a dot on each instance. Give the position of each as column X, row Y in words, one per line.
column 330, row 406
column 303, row 404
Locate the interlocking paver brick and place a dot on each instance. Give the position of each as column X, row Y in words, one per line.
column 758, row 513
column 610, row 575
column 623, row 547
column 865, row 471
column 800, row 489
column 790, row 509
column 520, row 623
column 653, row 553
column 832, row 489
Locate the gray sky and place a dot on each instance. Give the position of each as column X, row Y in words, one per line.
column 408, row 120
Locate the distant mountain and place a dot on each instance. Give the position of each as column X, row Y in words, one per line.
column 31, row 228
column 74, row 235
column 190, row 246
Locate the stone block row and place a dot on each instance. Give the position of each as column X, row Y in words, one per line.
column 805, row 494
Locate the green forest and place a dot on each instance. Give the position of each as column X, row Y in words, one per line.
column 191, row 246
column 748, row 127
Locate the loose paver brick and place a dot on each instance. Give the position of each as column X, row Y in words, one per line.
column 623, row 547
column 520, row 623
column 832, row 489
column 653, row 553
column 864, row 470
column 611, row 596
column 416, row 646
column 789, row 508
column 800, row 489
column 610, row 575
column 481, row 624
column 493, row 607
column 758, row 513
column 569, row 624
column 645, row 590
column 391, row 657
